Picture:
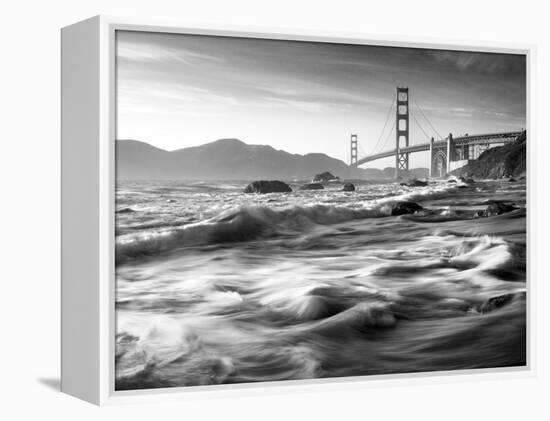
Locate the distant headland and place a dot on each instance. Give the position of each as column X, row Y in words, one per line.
column 501, row 162
column 232, row 159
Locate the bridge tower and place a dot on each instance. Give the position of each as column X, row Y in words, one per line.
column 431, row 171
column 450, row 153
column 401, row 130
column 353, row 150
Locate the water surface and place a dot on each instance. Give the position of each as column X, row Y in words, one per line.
column 216, row 286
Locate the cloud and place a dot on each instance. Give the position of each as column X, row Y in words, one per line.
column 485, row 63
column 142, row 52
column 257, row 85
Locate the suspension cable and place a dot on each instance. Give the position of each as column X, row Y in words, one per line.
column 429, row 122
column 360, row 150
column 389, row 134
column 419, row 125
column 385, row 124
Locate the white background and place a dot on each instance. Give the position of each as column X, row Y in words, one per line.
column 29, row 136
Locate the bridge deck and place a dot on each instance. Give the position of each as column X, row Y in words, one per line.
column 481, row 139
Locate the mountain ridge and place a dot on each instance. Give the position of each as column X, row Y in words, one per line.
column 231, row 158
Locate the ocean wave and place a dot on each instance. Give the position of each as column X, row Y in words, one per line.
column 318, row 284
column 245, row 223
column 363, row 317
column 249, row 222
column 241, row 225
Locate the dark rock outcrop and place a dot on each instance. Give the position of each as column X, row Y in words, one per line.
column 415, row 183
column 125, row 210
column 500, row 301
column 349, row 187
column 452, row 180
column 402, row 208
column 512, row 180
column 312, row 186
column 500, row 162
column 264, row 186
column 497, row 207
column 325, row 177
column 466, row 180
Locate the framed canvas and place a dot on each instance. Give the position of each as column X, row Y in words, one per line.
column 245, row 210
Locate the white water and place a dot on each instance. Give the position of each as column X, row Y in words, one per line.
column 215, row 286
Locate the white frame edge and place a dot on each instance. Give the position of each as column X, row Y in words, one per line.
column 80, row 120
column 89, row 96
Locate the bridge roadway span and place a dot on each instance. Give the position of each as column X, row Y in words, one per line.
column 481, row 139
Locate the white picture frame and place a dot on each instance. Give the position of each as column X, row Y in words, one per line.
column 88, row 183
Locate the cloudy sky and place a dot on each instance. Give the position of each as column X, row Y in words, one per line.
column 175, row 91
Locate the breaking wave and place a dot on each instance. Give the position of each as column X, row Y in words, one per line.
column 221, row 287
column 252, row 222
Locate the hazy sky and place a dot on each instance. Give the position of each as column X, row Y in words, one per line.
column 176, row 91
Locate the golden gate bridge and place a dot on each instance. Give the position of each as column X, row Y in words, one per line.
column 446, row 153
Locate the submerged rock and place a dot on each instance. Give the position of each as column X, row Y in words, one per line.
column 325, row 177
column 415, row 183
column 264, row 186
column 512, row 180
column 497, row 302
column 125, row 210
column 348, row 187
column 402, row 208
column 497, row 207
column 312, row 186
column 452, row 180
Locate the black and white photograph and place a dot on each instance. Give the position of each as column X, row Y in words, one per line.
column 280, row 210
column 294, row 210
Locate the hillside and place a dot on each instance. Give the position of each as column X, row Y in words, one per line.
column 503, row 161
column 227, row 159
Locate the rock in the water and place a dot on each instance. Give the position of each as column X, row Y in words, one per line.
column 466, row 179
column 349, row 187
column 125, row 210
column 402, row 208
column 415, row 183
column 264, row 186
column 497, row 302
column 312, row 186
column 512, row 180
column 452, row 180
column 325, row 177
column 496, row 207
